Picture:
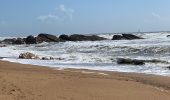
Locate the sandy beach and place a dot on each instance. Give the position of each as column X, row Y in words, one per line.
column 28, row 82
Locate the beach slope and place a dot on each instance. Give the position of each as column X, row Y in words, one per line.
column 28, row 82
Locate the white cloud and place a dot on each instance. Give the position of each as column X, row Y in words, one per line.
column 61, row 14
column 67, row 11
column 48, row 17
column 155, row 15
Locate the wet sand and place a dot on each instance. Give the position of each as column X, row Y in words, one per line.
column 29, row 82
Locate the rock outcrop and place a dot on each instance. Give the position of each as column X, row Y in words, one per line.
column 28, row 55
column 125, row 37
column 30, row 40
column 8, row 41
column 18, row 41
column 130, row 36
column 64, row 37
column 78, row 37
column 118, row 37
column 43, row 37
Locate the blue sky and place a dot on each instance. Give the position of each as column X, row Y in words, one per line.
column 22, row 17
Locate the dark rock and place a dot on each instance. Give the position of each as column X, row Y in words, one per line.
column 168, row 35
column 28, row 55
column 51, row 58
column 18, row 41
column 64, row 37
column 59, row 58
column 118, row 37
column 130, row 36
column 45, row 58
column 46, row 38
column 156, row 61
column 168, row 67
column 3, row 45
column 77, row 37
column 125, row 37
column 9, row 41
column 30, row 40
column 130, row 61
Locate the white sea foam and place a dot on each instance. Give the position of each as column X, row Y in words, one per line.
column 99, row 55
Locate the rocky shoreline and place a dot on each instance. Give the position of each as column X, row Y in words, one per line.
column 43, row 37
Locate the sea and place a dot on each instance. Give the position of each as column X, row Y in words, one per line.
column 99, row 55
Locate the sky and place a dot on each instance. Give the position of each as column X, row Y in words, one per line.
column 23, row 17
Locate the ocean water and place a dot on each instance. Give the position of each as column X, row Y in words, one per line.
column 99, row 55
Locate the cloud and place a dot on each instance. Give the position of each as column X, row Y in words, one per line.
column 155, row 15
column 67, row 11
column 61, row 13
column 49, row 17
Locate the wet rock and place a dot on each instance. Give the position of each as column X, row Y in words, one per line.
column 9, row 41
column 28, row 55
column 18, row 41
column 43, row 37
column 130, row 61
column 77, row 37
column 3, row 45
column 168, row 36
column 45, row 58
column 130, row 36
column 156, row 61
column 64, row 37
column 30, row 40
column 51, row 58
column 168, row 67
column 59, row 58
column 118, row 37
column 125, row 37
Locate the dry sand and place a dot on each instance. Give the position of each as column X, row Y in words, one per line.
column 28, row 82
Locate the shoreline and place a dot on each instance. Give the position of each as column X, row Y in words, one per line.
column 30, row 82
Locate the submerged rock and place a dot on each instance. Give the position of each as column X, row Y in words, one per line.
column 156, row 61
column 28, row 55
column 130, row 61
column 139, row 62
column 45, row 58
